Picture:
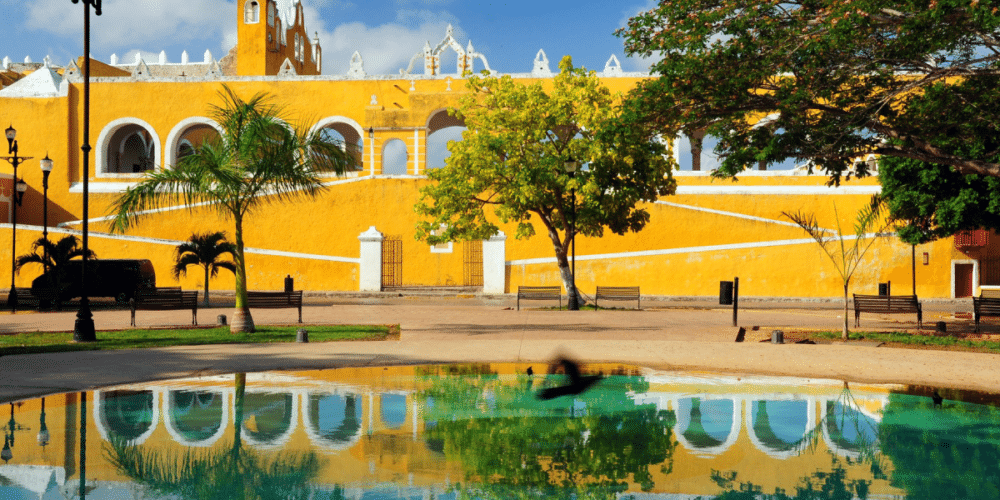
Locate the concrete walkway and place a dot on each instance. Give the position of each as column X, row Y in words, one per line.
column 677, row 334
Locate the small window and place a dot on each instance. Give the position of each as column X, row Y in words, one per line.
column 251, row 14
column 441, row 247
column 270, row 13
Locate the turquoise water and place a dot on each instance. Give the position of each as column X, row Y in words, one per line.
column 480, row 432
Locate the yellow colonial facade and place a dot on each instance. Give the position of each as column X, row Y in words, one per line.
column 358, row 234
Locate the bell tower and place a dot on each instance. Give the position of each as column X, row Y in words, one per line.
column 267, row 36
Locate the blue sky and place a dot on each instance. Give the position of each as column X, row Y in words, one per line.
column 386, row 32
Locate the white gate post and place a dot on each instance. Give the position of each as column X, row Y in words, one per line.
column 370, row 274
column 495, row 263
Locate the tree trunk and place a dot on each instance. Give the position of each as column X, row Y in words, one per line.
column 846, row 331
column 242, row 320
column 206, row 284
column 564, row 271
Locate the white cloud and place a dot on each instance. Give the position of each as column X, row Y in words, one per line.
column 126, row 24
column 386, row 48
column 635, row 63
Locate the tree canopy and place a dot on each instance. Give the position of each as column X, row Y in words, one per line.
column 258, row 159
column 824, row 81
column 512, row 157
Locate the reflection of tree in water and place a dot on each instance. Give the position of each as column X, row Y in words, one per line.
column 948, row 452
column 591, row 446
column 695, row 433
column 197, row 415
column 324, row 409
column 127, row 414
column 832, row 485
column 268, row 415
column 233, row 473
column 764, row 428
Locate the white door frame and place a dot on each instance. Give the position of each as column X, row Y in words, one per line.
column 975, row 274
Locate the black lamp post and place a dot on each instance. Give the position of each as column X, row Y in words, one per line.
column 83, row 330
column 46, row 165
column 43, row 430
column 571, row 167
column 19, row 188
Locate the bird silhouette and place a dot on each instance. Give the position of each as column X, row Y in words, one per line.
column 530, row 372
column 577, row 382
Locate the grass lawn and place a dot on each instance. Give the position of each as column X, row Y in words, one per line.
column 28, row 343
column 908, row 340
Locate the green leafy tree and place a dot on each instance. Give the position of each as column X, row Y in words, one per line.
column 257, row 160
column 205, row 250
column 934, row 201
column 512, row 157
column 825, row 81
column 870, row 223
column 53, row 257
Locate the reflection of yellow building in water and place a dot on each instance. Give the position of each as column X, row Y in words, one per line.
column 358, row 234
column 370, row 428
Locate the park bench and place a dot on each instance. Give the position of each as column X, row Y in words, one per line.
column 539, row 293
column 618, row 293
column 165, row 299
column 985, row 306
column 275, row 300
column 887, row 304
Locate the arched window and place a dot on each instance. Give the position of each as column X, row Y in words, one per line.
column 251, row 14
column 130, row 151
column 394, row 158
column 442, row 128
column 270, row 13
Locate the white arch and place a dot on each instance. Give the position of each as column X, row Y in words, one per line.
column 780, row 454
column 333, row 120
column 734, row 430
column 406, row 155
column 310, row 426
column 102, row 429
column 174, row 137
column 281, row 440
column 100, row 161
column 850, row 405
column 223, row 419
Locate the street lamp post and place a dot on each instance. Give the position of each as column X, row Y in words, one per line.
column 83, row 330
column 18, row 188
column 571, row 167
column 46, row 165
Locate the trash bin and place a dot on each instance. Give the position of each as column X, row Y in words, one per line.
column 885, row 289
column 289, row 283
column 726, row 293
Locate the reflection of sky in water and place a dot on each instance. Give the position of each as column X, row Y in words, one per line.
column 196, row 415
column 705, row 418
column 267, row 416
column 849, row 427
column 786, row 420
column 336, row 417
column 128, row 414
column 393, row 410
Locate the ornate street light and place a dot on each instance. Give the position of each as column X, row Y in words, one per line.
column 83, row 330
column 17, row 194
column 46, row 165
column 43, row 430
column 571, row 167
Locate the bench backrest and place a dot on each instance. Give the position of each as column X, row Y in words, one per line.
column 167, row 296
column 987, row 305
column 539, row 291
column 887, row 302
column 617, row 291
column 293, row 298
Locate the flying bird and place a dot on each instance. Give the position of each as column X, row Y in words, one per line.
column 577, row 382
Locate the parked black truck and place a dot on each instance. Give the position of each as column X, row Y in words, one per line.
column 118, row 278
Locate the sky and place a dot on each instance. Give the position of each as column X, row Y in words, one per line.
column 386, row 32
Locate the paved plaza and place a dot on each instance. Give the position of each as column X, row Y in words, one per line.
column 682, row 334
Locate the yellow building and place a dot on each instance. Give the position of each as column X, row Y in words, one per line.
column 358, row 234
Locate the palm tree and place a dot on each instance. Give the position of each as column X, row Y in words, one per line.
column 53, row 259
column 257, row 159
column 204, row 249
column 870, row 223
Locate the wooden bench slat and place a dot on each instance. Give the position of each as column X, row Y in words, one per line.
column 985, row 306
column 887, row 304
column 275, row 300
column 538, row 293
column 166, row 299
column 618, row 293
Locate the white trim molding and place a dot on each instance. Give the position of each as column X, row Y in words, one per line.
column 975, row 274
column 173, row 138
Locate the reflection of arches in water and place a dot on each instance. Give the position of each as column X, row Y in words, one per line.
column 779, row 428
column 848, row 431
column 125, row 415
column 268, row 418
column 707, row 426
column 393, row 410
column 334, row 420
column 196, row 418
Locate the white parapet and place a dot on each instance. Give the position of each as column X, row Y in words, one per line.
column 495, row 263
column 370, row 274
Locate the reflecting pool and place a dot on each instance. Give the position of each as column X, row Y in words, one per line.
column 480, row 432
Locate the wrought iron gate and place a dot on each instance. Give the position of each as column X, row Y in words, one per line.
column 392, row 262
column 473, row 263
